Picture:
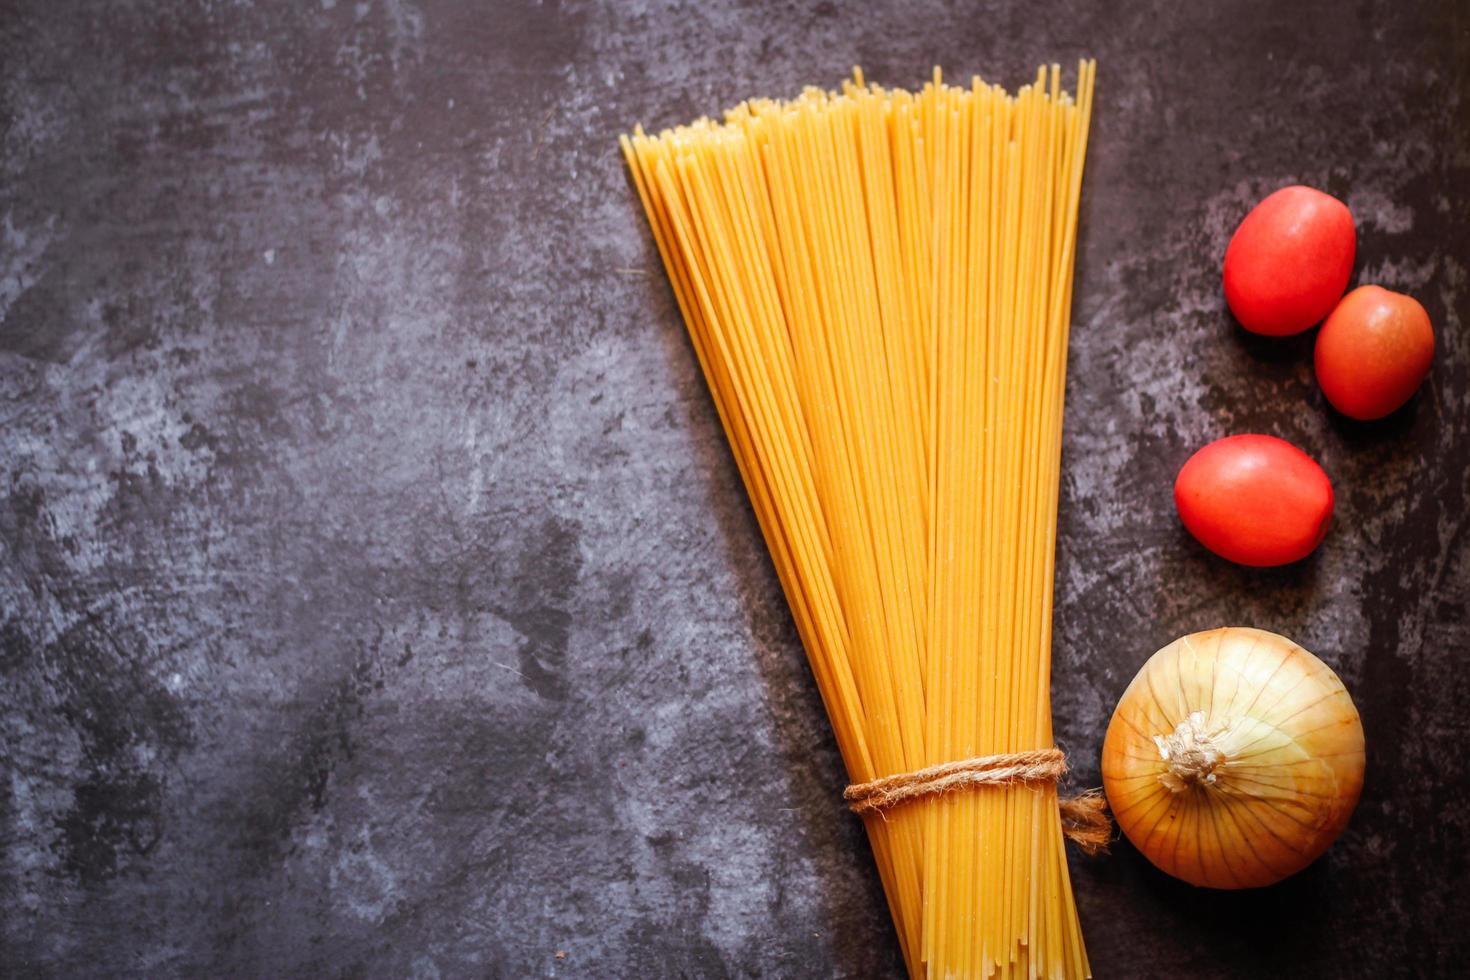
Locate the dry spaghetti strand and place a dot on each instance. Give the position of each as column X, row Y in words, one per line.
column 877, row 284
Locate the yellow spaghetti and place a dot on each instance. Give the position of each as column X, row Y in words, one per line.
column 877, row 284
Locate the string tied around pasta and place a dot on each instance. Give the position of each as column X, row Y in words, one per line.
column 1085, row 819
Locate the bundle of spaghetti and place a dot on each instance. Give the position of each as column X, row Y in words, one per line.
column 877, row 285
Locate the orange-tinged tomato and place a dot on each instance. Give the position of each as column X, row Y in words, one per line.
column 1289, row 261
column 1255, row 500
column 1373, row 352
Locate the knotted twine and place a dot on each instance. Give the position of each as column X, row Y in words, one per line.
column 1084, row 816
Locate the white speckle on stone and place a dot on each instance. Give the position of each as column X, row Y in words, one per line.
column 175, row 681
column 269, row 255
column 1401, row 273
column 366, row 883
column 21, row 250
column 1373, row 207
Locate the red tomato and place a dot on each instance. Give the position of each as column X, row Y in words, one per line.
column 1373, row 352
column 1255, row 500
column 1289, row 261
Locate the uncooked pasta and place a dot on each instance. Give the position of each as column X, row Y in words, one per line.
column 877, row 285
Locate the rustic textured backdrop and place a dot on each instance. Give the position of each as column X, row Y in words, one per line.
column 378, row 597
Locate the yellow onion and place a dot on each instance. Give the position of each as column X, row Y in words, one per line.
column 1234, row 758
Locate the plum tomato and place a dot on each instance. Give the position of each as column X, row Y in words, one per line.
column 1255, row 500
column 1289, row 261
column 1373, row 352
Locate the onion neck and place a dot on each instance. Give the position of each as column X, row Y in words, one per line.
column 1193, row 754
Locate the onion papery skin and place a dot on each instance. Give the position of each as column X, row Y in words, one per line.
column 1272, row 779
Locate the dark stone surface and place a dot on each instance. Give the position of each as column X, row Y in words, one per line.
column 378, row 596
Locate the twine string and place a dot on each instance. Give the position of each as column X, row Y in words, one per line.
column 1084, row 816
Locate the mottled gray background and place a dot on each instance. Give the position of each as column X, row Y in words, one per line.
column 379, row 598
